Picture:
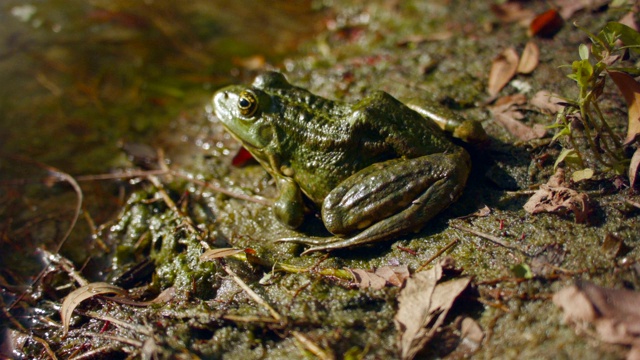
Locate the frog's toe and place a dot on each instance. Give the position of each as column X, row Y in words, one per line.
column 309, row 240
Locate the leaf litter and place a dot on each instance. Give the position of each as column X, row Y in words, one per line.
column 506, row 112
column 381, row 277
column 614, row 314
column 555, row 197
column 423, row 305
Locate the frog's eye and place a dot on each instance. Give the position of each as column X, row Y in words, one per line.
column 247, row 103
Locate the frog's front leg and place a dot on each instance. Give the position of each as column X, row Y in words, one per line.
column 289, row 206
column 390, row 198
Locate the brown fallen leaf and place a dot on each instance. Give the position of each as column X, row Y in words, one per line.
column 614, row 313
column 629, row 19
column 630, row 90
column 554, row 197
column 529, row 59
column 506, row 113
column 391, row 275
column 81, row 294
column 512, row 11
column 547, row 101
column 394, row 275
column 503, row 69
column 368, row 279
column 471, row 335
column 633, row 168
column 423, row 304
column 570, row 7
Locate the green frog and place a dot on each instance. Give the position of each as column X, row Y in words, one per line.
column 374, row 168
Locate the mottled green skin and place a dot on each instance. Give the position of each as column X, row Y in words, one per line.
column 375, row 168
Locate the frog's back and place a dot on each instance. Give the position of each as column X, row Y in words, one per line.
column 403, row 131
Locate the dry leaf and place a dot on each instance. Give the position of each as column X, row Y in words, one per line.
column 367, row 279
column 81, row 294
column 630, row 89
column 392, row 275
column 482, row 212
column 471, row 335
column 502, row 71
column 423, row 306
column 614, row 313
column 629, row 19
column 506, row 113
column 529, row 59
column 512, row 12
column 547, row 102
column 633, row 167
column 569, row 7
column 211, row 254
column 553, row 197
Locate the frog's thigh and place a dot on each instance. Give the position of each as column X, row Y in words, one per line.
column 393, row 197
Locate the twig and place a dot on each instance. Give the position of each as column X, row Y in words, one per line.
column 46, row 346
column 440, row 252
column 121, row 339
column 632, row 203
column 172, row 205
column 489, row 237
column 311, row 346
column 306, row 342
column 134, row 327
column 250, row 319
column 252, row 294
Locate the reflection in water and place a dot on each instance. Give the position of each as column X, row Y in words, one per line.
column 80, row 77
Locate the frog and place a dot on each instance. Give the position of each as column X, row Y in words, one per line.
column 373, row 169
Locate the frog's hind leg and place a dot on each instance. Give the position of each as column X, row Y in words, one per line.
column 445, row 174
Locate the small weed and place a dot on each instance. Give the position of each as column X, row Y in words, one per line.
column 590, row 144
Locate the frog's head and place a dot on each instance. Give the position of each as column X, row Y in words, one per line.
column 248, row 111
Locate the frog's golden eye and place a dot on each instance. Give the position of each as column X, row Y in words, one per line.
column 247, row 103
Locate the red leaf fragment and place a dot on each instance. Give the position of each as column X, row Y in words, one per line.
column 241, row 158
column 546, row 24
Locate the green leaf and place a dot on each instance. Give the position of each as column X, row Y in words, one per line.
column 584, row 51
column 569, row 156
column 629, row 36
column 582, row 70
column 522, row 271
column 618, row 3
column 564, row 132
column 584, row 174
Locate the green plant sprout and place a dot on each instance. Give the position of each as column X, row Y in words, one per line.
column 601, row 148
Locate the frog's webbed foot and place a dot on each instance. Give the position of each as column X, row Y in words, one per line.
column 377, row 232
column 317, row 243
